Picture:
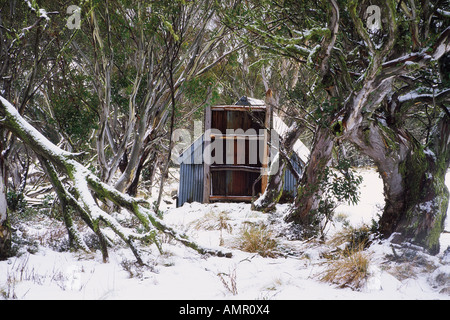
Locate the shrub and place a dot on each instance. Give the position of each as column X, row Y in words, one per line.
column 16, row 201
column 336, row 185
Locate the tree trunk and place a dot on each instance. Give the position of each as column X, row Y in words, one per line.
column 75, row 238
column 307, row 200
column 426, row 195
column 133, row 187
column 267, row 201
column 274, row 189
column 129, row 174
column 416, row 197
column 426, row 202
column 5, row 230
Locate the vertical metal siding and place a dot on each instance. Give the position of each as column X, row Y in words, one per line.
column 191, row 174
column 289, row 180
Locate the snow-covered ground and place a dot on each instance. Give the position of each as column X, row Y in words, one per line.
column 181, row 273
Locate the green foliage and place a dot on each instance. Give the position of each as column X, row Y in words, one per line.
column 196, row 91
column 325, row 111
column 337, row 185
column 344, row 183
column 72, row 117
column 16, row 201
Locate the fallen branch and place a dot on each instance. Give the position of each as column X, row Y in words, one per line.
column 80, row 197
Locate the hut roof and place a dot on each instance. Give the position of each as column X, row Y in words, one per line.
column 299, row 148
column 247, row 101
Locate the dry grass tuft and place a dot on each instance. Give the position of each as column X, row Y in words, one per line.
column 229, row 281
column 214, row 221
column 352, row 237
column 351, row 270
column 258, row 239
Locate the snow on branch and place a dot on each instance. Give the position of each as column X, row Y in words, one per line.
column 443, row 12
column 417, row 96
column 405, row 64
column 85, row 182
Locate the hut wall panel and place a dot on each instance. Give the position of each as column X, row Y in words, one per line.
column 191, row 175
column 191, row 183
column 289, row 180
column 233, row 179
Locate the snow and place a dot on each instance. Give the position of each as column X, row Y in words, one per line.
column 256, row 102
column 43, row 272
column 31, row 131
column 444, row 12
column 299, row 148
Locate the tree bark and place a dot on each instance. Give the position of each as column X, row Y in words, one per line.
column 267, row 201
column 5, row 230
column 308, row 196
column 416, row 197
column 275, row 183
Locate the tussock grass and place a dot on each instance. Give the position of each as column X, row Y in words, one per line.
column 352, row 237
column 349, row 265
column 350, row 269
column 258, row 239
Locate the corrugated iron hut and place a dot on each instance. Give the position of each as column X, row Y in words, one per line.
column 229, row 161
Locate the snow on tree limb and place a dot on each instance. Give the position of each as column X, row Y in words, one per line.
column 84, row 181
column 416, row 96
column 403, row 64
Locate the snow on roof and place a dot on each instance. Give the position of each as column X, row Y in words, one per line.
column 299, row 148
column 255, row 102
column 248, row 101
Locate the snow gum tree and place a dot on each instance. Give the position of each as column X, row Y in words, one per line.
column 381, row 118
column 23, row 46
column 376, row 66
column 298, row 31
column 110, row 68
column 412, row 164
column 79, row 196
column 140, row 56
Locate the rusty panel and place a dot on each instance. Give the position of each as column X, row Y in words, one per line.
column 234, row 183
column 223, row 120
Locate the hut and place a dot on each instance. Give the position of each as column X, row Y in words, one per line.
column 230, row 160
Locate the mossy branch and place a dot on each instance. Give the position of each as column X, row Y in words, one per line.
column 84, row 181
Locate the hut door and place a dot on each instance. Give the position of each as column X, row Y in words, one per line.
column 237, row 143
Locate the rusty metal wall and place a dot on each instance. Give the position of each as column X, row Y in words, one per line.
column 191, row 175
